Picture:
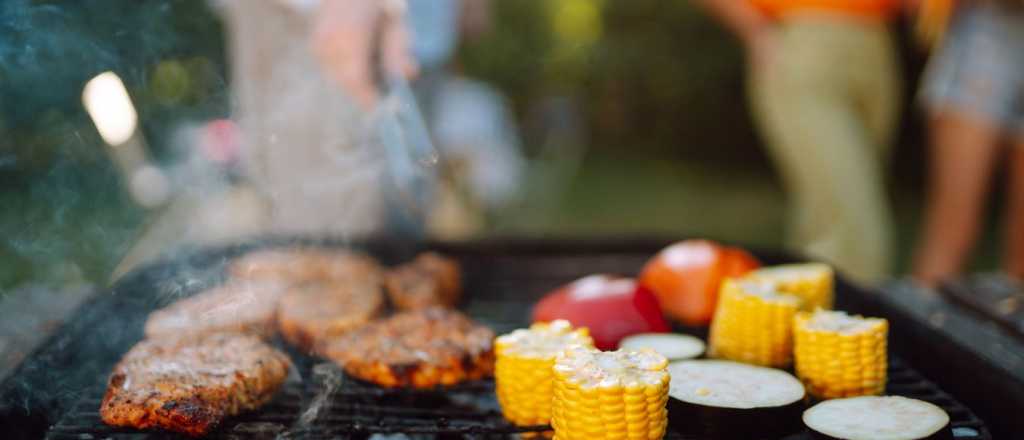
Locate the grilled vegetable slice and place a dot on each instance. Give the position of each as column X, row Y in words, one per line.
column 838, row 355
column 722, row 399
column 812, row 282
column 878, row 418
column 673, row 346
column 754, row 324
column 523, row 370
column 610, row 395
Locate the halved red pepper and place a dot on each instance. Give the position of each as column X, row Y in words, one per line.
column 610, row 307
column 686, row 276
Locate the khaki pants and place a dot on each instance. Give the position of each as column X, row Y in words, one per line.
column 826, row 106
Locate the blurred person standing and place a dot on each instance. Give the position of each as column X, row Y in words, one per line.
column 303, row 91
column 304, row 82
column 974, row 95
column 469, row 120
column 824, row 86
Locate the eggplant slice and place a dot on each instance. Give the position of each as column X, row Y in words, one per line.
column 729, row 400
column 878, row 418
column 674, row 346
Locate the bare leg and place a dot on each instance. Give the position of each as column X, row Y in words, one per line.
column 1015, row 212
column 963, row 150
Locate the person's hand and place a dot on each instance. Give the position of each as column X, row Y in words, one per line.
column 762, row 48
column 346, row 38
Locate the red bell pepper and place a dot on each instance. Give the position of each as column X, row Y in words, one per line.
column 686, row 276
column 610, row 307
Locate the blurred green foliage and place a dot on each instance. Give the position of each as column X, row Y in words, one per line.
column 652, row 76
column 51, row 48
column 65, row 214
column 654, row 80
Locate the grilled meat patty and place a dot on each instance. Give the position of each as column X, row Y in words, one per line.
column 188, row 385
column 421, row 348
column 429, row 280
column 312, row 312
column 298, row 265
column 246, row 307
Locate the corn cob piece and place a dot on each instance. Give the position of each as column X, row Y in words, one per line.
column 812, row 282
column 523, row 371
column 610, row 395
column 838, row 355
column 753, row 323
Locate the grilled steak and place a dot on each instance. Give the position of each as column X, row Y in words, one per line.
column 429, row 280
column 297, row 265
column 312, row 312
column 422, row 349
column 248, row 303
column 246, row 307
column 189, row 385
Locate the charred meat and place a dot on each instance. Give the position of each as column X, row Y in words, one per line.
column 188, row 385
column 313, row 312
column 421, row 349
column 429, row 280
column 298, row 265
column 244, row 307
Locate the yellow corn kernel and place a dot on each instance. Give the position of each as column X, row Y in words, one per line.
column 753, row 323
column 812, row 282
column 838, row 355
column 523, row 369
column 609, row 395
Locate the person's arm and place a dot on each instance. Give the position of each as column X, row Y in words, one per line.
column 741, row 17
column 932, row 19
column 347, row 32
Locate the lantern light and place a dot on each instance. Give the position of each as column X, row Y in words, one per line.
column 108, row 104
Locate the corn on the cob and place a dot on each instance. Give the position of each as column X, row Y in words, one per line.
column 610, row 395
column 523, row 372
column 753, row 323
column 812, row 282
column 838, row 355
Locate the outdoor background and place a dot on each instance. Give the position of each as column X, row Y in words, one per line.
column 659, row 141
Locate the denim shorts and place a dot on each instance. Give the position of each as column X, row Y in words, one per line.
column 980, row 66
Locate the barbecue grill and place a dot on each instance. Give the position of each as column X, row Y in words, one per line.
column 994, row 296
column 56, row 392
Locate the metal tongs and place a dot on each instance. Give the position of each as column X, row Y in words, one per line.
column 397, row 123
column 413, row 161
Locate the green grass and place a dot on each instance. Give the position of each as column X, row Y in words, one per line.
column 617, row 195
column 620, row 194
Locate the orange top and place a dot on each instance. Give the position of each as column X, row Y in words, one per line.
column 875, row 9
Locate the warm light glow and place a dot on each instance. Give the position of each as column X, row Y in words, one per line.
column 110, row 108
column 577, row 22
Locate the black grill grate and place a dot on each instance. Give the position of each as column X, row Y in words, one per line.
column 332, row 406
column 319, row 402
